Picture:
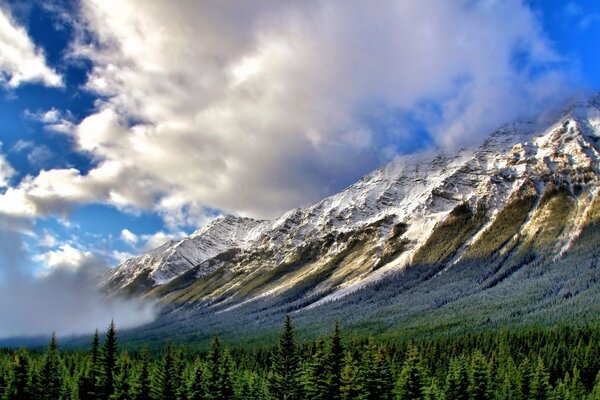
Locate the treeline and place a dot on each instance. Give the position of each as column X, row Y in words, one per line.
column 561, row 363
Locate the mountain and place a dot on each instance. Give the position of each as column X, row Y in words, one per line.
column 443, row 228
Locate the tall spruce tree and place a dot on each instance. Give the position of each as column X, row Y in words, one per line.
column 457, row 380
column 108, row 362
column 123, row 390
column 141, row 385
column 539, row 385
column 89, row 381
column 17, row 387
column 164, row 387
column 350, row 387
column 197, row 388
column 226, row 391
column 411, row 382
column 285, row 379
column 335, row 361
column 51, row 374
column 214, row 368
column 316, row 379
column 480, row 380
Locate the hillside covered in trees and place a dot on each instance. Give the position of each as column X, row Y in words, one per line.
column 549, row 363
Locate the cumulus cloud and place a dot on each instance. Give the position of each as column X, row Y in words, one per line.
column 20, row 60
column 129, row 237
column 6, row 171
column 254, row 108
column 69, row 258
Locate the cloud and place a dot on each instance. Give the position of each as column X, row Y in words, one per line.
column 48, row 240
column 20, row 60
column 67, row 257
column 6, row 171
column 129, row 237
column 64, row 298
column 121, row 256
column 288, row 104
column 159, row 238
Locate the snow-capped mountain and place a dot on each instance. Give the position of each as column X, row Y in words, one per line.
column 438, row 209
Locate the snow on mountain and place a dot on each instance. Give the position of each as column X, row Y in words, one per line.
column 418, row 191
column 173, row 258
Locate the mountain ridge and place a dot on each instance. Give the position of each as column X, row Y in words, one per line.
column 489, row 202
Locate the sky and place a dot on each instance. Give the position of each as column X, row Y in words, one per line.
column 127, row 123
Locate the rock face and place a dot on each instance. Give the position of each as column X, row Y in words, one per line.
column 528, row 186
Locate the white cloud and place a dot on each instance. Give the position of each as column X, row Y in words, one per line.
column 6, row 171
column 68, row 258
column 48, row 240
column 129, row 237
column 274, row 111
column 159, row 238
column 121, row 256
column 20, row 60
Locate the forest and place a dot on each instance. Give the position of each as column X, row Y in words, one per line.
column 524, row 363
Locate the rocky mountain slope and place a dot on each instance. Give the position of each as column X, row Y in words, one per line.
column 530, row 189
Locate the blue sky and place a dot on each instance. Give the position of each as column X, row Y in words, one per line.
column 123, row 126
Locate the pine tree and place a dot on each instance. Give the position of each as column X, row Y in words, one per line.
column 539, row 386
column 141, row 385
column 285, row 382
column 123, row 389
column 457, row 381
column 214, row 368
column 367, row 381
column 595, row 395
column 226, row 391
column 383, row 373
column 197, row 387
column 18, row 383
column 350, row 388
column 577, row 388
column 480, row 381
column 316, row 380
column 108, row 362
column 164, row 388
column 51, row 375
column 411, row 381
column 336, row 363
column 89, row 381
column 433, row 391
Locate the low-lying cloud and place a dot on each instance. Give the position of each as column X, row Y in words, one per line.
column 63, row 297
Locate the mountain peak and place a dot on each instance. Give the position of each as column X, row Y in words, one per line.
column 386, row 221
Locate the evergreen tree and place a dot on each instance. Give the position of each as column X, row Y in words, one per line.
column 411, row 381
column 214, row 369
column 108, row 362
column 480, row 380
column 316, row 380
column 197, row 389
column 350, row 388
column 164, row 387
column 141, row 386
column 89, row 381
column 457, row 381
column 51, row 375
column 123, row 390
column 433, row 391
column 595, row 395
column 539, row 385
column 226, row 391
column 285, row 382
column 335, row 363
column 17, row 387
